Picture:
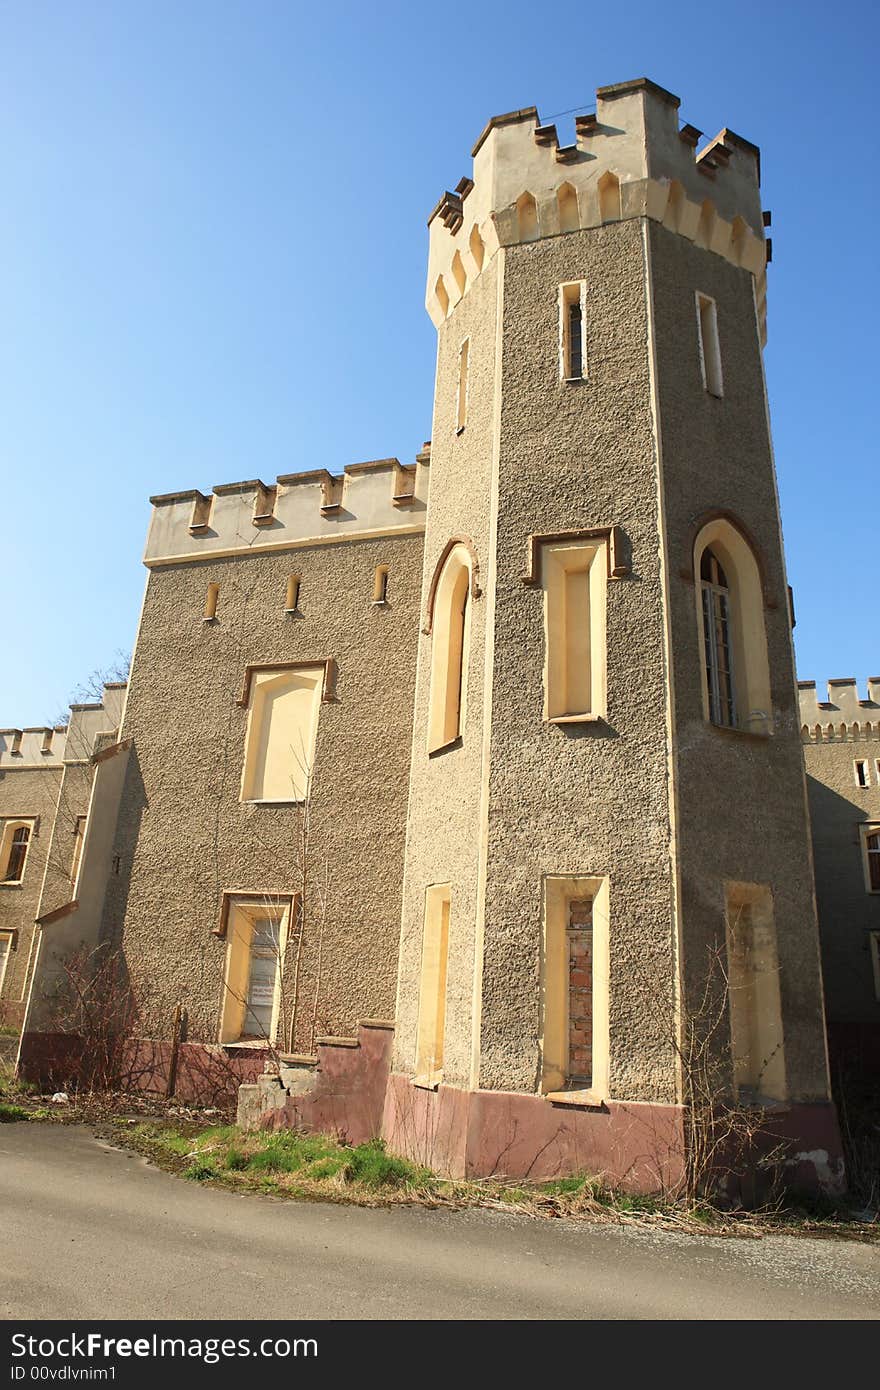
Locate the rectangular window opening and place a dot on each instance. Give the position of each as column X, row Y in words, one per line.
column 575, row 986
column 14, row 847
column 862, row 775
column 5, row 952
column 256, row 938
column 710, row 348
column 756, row 1037
column 572, row 318
column 432, row 990
column 281, row 733
column 574, row 580
column 870, row 837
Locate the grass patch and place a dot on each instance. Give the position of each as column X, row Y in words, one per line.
column 11, row 1114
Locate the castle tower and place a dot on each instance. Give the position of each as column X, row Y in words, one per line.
column 607, row 792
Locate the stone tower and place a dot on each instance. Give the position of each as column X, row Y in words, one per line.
column 607, row 788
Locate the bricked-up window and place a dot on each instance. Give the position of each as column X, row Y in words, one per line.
column 710, row 348
column 432, row 988
column 281, row 734
column 580, row 992
column 871, row 853
column 450, row 633
column 14, row 850
column 575, row 985
column 211, row 596
column 717, row 640
column 461, row 404
column 256, row 933
column 5, row 952
column 574, row 578
column 572, row 318
column 757, row 1046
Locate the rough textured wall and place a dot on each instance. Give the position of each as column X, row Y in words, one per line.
column 847, row 912
column 444, row 831
column 31, row 792
column 184, row 837
column 73, row 801
column 741, row 797
column 581, row 799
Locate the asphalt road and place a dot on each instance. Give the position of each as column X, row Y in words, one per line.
column 90, row 1231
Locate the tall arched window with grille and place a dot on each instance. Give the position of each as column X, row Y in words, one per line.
column 735, row 669
column 717, row 639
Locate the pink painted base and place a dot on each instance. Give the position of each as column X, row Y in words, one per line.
column 480, row 1134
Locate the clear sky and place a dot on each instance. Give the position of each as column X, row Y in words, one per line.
column 212, row 263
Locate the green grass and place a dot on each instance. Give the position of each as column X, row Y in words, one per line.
column 10, row 1114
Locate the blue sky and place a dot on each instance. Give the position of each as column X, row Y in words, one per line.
column 212, row 241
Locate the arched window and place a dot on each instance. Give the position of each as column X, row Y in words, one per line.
column 450, row 628
column 717, row 640
column 733, row 640
column 16, row 838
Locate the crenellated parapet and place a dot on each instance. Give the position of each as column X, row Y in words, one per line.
column 382, row 497
column 631, row 158
column 42, row 746
column 844, row 717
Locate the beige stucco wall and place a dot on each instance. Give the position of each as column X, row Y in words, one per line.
column 588, row 800
column 27, row 792
column 838, row 807
column 741, row 799
column 446, row 796
column 184, row 836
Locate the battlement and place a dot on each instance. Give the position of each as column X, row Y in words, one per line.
column 844, row 716
column 630, row 158
column 46, row 746
column 378, row 498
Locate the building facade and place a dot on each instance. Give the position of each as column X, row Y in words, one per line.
column 457, row 788
column 841, row 737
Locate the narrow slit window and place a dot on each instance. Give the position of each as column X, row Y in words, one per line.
column 79, row 831
column 462, row 398
column 574, row 582
column 211, row 597
column 717, row 641
column 380, row 584
column 571, row 331
column 291, row 604
column 48, row 735
column 710, row 349
column 862, row 776
column 432, row 991
column 874, row 941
